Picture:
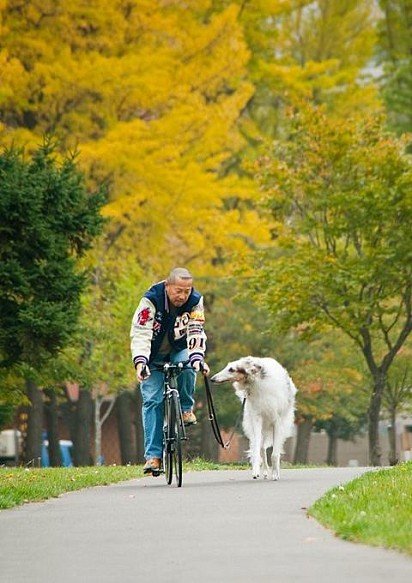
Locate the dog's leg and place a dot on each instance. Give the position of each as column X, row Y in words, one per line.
column 276, row 466
column 264, row 457
column 277, row 446
column 256, row 447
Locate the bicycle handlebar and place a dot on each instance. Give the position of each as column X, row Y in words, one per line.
column 166, row 367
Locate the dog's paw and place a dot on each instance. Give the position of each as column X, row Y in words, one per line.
column 255, row 476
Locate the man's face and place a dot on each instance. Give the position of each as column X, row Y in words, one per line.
column 179, row 292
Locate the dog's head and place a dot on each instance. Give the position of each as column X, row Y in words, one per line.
column 238, row 371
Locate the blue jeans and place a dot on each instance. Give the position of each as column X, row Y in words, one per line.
column 152, row 396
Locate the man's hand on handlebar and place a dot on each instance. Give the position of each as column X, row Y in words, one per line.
column 201, row 366
column 142, row 372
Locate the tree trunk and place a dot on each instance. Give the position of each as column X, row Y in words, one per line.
column 393, row 454
column 332, row 456
column 82, row 431
column 99, row 420
column 34, row 436
column 98, row 459
column 51, row 412
column 373, row 418
column 124, row 427
column 302, row 442
column 68, row 411
column 138, row 422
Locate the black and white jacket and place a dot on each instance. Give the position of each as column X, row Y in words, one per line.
column 153, row 320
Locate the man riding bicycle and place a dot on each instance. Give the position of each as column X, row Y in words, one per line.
column 167, row 327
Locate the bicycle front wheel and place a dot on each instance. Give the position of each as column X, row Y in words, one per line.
column 169, row 439
column 177, row 453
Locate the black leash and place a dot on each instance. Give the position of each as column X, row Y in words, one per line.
column 213, row 419
column 212, row 414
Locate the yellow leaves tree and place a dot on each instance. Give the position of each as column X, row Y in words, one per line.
column 151, row 93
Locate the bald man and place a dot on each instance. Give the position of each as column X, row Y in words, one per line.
column 167, row 327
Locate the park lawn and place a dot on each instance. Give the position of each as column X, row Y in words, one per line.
column 375, row 508
column 21, row 485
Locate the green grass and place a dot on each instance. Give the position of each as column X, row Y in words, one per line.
column 21, row 485
column 375, row 509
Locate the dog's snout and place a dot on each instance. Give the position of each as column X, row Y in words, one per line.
column 217, row 378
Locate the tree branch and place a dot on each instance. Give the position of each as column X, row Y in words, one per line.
column 367, row 350
column 323, row 305
column 109, row 409
column 403, row 335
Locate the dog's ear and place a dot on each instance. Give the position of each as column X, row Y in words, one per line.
column 256, row 369
column 251, row 367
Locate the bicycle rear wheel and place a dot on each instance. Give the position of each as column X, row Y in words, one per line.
column 169, row 439
column 177, row 453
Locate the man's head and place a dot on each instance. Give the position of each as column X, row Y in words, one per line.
column 178, row 286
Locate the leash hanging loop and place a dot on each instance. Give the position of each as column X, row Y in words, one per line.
column 213, row 418
column 212, row 414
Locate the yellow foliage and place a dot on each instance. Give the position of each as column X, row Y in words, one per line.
column 151, row 93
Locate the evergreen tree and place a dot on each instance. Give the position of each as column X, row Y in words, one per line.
column 47, row 221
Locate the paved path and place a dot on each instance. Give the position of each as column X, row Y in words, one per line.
column 219, row 527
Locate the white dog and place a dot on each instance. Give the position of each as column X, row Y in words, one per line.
column 269, row 407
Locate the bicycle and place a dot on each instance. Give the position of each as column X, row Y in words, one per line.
column 173, row 427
